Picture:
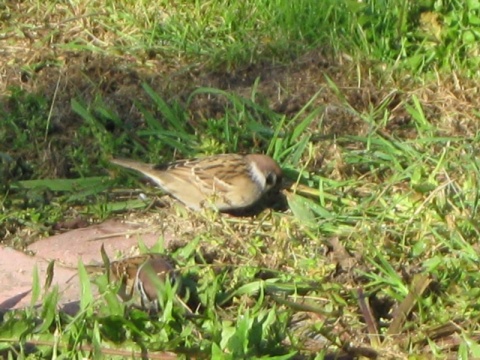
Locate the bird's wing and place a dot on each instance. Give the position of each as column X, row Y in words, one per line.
column 218, row 174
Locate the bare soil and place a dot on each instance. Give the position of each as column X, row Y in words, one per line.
column 285, row 88
column 448, row 103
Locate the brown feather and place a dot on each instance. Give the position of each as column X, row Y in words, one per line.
column 142, row 273
column 226, row 181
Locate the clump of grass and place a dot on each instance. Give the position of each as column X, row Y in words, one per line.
column 416, row 36
column 381, row 234
column 389, row 201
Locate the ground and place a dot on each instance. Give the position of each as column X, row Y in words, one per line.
column 371, row 134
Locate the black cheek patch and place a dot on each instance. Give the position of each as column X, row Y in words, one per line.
column 271, row 179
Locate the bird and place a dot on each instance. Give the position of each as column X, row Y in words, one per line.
column 226, row 182
column 145, row 274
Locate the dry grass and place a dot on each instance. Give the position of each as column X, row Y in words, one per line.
column 389, row 163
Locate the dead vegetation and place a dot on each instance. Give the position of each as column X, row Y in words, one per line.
column 355, row 98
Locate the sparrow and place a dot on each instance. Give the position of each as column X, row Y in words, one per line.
column 145, row 274
column 227, row 182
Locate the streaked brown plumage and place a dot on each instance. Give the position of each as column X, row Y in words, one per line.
column 145, row 274
column 226, row 182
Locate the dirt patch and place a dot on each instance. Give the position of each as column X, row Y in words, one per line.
column 356, row 102
column 357, row 98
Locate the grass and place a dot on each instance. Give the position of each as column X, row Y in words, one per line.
column 377, row 255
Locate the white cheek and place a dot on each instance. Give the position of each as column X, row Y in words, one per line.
column 257, row 175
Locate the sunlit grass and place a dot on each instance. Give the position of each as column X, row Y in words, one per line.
column 380, row 222
column 404, row 207
column 401, row 33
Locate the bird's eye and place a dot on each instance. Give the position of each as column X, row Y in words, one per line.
column 271, row 179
